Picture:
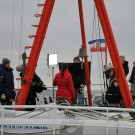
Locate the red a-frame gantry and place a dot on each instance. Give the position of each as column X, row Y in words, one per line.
column 38, row 42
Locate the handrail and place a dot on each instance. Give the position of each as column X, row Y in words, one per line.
column 55, row 121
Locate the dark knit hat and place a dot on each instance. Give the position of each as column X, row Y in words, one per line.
column 5, row 61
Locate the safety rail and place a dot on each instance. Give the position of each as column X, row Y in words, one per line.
column 58, row 121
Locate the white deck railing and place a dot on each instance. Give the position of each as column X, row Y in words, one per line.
column 76, row 122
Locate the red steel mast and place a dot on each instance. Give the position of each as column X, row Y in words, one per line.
column 35, row 50
column 112, row 47
column 84, row 46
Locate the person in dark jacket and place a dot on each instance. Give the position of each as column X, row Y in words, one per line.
column 132, row 81
column 6, row 82
column 113, row 94
column 36, row 87
column 124, row 64
column 63, row 80
column 78, row 81
column 109, row 73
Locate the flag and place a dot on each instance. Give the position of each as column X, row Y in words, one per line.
column 97, row 45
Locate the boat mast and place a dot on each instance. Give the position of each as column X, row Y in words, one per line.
column 112, row 47
column 87, row 75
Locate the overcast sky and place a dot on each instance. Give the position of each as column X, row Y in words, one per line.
column 63, row 35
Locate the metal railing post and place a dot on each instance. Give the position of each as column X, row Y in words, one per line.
column 54, row 112
column 107, row 123
column 2, row 119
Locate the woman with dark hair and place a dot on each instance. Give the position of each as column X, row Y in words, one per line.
column 63, row 80
column 113, row 94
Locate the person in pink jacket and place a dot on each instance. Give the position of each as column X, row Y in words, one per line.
column 63, row 80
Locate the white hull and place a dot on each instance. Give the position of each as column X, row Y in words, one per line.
column 76, row 123
column 91, row 127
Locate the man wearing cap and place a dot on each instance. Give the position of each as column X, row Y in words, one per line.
column 7, row 82
column 124, row 64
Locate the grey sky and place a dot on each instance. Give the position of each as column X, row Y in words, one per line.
column 63, row 35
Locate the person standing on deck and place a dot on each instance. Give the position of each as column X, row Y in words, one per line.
column 36, row 86
column 6, row 82
column 63, row 80
column 124, row 64
column 132, row 81
column 79, row 81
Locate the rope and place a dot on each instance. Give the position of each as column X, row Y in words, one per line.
column 12, row 33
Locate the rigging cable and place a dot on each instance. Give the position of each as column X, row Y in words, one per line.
column 100, row 46
column 36, row 23
column 93, row 28
column 99, row 65
column 101, row 54
column 97, row 36
column 21, row 32
column 21, row 26
column 12, row 32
